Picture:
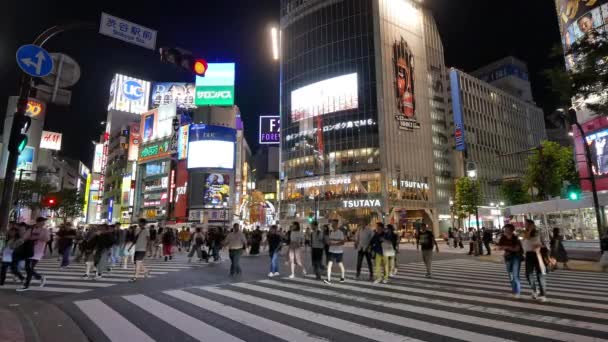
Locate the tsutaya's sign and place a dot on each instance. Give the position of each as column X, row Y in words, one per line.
column 407, row 184
column 372, row 203
column 323, row 182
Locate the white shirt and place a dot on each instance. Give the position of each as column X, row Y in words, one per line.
column 334, row 236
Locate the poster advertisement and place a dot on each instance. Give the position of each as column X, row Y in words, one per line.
column 26, row 159
column 216, row 189
column 98, row 158
column 404, row 86
column 164, row 122
column 324, row 97
column 180, row 94
column 599, row 152
column 134, row 141
column 148, row 126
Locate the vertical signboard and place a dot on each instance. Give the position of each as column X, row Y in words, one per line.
column 97, row 158
column 182, row 142
column 134, row 141
column 459, row 134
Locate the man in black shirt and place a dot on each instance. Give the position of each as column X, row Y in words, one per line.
column 426, row 241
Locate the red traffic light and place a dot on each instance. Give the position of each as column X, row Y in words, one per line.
column 200, row 67
column 51, row 201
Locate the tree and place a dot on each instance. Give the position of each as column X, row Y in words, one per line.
column 548, row 167
column 514, row 192
column 29, row 194
column 468, row 197
column 587, row 74
column 69, row 204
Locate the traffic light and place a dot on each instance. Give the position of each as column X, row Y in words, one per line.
column 21, row 125
column 49, row 201
column 573, row 192
column 184, row 59
column 311, row 218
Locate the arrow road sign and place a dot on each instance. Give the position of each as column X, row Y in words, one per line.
column 34, row 60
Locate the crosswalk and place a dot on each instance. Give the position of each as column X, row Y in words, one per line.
column 70, row 280
column 466, row 300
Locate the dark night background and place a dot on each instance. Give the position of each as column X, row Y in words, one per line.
column 474, row 32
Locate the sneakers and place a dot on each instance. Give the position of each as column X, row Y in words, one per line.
column 276, row 274
column 42, row 281
column 271, row 274
column 534, row 295
column 86, row 276
column 23, row 289
column 327, row 281
column 342, row 280
column 377, row 281
column 304, row 272
column 385, row 281
column 516, row 295
column 291, row 276
column 428, row 275
column 395, row 272
column 98, row 276
column 542, row 299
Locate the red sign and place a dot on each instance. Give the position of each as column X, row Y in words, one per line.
column 181, row 188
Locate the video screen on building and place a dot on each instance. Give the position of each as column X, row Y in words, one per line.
column 216, row 189
column 324, row 97
column 599, row 151
column 211, row 154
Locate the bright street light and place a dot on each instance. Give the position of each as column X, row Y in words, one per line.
column 502, row 204
column 275, row 43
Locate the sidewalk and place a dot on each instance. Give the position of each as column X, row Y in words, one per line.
column 24, row 319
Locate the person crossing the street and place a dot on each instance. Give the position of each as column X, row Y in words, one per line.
column 142, row 237
column 535, row 266
column 65, row 238
column 168, row 240
column 11, row 243
column 274, row 241
column 377, row 245
column 196, row 246
column 317, row 244
column 363, row 238
column 296, row 246
column 426, row 242
column 513, row 253
column 236, row 243
column 336, row 252
column 37, row 236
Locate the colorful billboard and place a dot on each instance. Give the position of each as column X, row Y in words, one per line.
column 216, row 190
column 154, row 151
column 216, row 88
column 181, row 188
column 181, row 94
column 50, row 140
column 404, row 86
column 166, row 114
column 182, row 142
column 134, row 141
column 129, row 94
column 270, row 130
column 219, row 139
column 324, row 97
column 26, row 159
column 459, row 135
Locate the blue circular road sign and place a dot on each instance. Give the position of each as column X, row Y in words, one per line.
column 34, row 60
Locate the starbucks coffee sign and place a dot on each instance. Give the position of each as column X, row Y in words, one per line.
column 371, row 203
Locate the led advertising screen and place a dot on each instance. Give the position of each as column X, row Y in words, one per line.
column 599, row 151
column 164, row 127
column 26, row 159
column 181, row 94
column 213, row 154
column 134, row 141
column 216, row 88
column 324, row 97
column 182, row 142
column 148, row 125
column 216, row 190
column 98, row 158
column 270, row 130
column 129, row 94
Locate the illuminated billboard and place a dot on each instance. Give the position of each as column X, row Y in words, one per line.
column 182, row 142
column 216, row 88
column 599, row 151
column 181, row 94
column 26, row 159
column 50, row 140
column 98, row 158
column 129, row 94
column 324, row 97
column 134, row 141
column 270, row 130
column 200, row 155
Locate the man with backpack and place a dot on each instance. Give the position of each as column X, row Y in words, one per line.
column 196, row 246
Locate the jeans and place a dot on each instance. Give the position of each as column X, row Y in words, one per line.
column 215, row 251
column 65, row 261
column 513, row 264
column 487, row 245
column 235, row 258
column 537, row 282
column 368, row 257
column 30, row 264
column 427, row 257
column 274, row 262
column 101, row 260
column 317, row 261
column 196, row 249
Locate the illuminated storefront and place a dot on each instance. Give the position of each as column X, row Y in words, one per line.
column 364, row 113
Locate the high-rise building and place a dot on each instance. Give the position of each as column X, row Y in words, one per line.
column 508, row 74
column 494, row 129
column 364, row 126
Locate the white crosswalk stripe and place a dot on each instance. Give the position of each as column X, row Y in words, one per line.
column 70, row 279
column 409, row 308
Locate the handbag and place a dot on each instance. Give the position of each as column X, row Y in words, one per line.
column 544, row 253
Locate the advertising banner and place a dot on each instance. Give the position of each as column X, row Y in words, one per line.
column 459, row 135
column 270, row 130
column 154, row 151
column 26, row 159
column 166, row 114
column 324, row 97
column 129, row 94
column 181, row 94
column 98, row 158
column 50, row 140
column 216, row 190
column 404, row 86
column 220, row 140
column 125, row 190
column 148, row 125
column 134, row 141
column 217, row 87
column 181, row 187
column 182, row 142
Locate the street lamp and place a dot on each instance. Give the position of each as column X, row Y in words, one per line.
column 274, row 35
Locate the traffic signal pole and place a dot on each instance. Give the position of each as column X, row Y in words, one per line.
column 24, row 93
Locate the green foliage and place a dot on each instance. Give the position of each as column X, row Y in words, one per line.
column 69, row 203
column 514, row 192
column 468, row 197
column 548, row 167
column 588, row 78
column 29, row 193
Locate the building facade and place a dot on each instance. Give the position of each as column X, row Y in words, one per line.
column 494, row 130
column 364, row 119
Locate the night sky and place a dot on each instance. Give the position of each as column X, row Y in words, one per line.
column 474, row 32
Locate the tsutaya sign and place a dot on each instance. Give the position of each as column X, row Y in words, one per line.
column 407, row 184
column 371, row 203
column 323, row 182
